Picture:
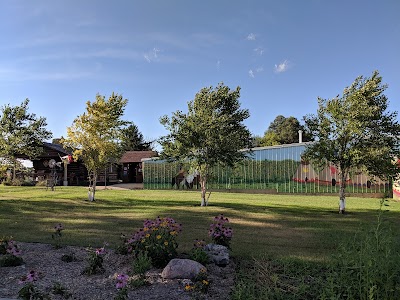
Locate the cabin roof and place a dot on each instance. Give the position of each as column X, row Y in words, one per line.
column 136, row 156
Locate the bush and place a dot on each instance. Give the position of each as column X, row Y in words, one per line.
column 198, row 254
column 158, row 239
column 9, row 260
column 219, row 233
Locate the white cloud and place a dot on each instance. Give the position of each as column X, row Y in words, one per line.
column 252, row 73
column 218, row 64
column 251, row 37
column 282, row 67
column 259, row 50
column 152, row 55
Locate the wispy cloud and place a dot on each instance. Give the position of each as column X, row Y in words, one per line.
column 218, row 64
column 259, row 50
column 251, row 37
column 152, row 55
column 252, row 73
column 282, row 67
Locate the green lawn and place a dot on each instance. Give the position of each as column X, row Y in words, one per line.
column 306, row 227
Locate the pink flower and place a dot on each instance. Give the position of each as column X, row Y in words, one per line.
column 122, row 281
column 32, row 276
column 100, row 251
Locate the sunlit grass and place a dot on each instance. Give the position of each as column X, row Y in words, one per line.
column 308, row 227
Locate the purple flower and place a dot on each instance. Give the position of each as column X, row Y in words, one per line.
column 122, row 281
column 100, row 251
column 32, row 276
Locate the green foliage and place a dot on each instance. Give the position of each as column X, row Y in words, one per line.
column 283, row 131
column 356, row 131
column 158, row 239
column 95, row 134
column 199, row 286
column 132, row 139
column 30, row 292
column 198, row 254
column 366, row 267
column 57, row 235
column 210, row 133
column 141, row 264
column 122, row 247
column 59, row 289
column 68, row 257
column 95, row 262
column 9, row 260
column 21, row 133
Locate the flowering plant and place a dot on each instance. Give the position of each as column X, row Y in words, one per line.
column 197, row 253
column 10, row 254
column 121, row 285
column 8, row 246
column 29, row 291
column 95, row 259
column 219, row 233
column 200, row 284
column 158, row 239
column 56, row 236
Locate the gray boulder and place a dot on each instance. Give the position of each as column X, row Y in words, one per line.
column 217, row 254
column 182, row 269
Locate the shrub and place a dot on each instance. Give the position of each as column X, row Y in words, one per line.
column 10, row 253
column 141, row 264
column 197, row 253
column 59, row 289
column 9, row 260
column 69, row 257
column 219, row 233
column 158, row 239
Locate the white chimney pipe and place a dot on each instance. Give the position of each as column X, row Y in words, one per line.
column 300, row 136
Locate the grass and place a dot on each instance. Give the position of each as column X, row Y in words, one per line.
column 291, row 226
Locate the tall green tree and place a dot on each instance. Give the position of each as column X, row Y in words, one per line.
column 210, row 133
column 284, row 131
column 95, row 135
column 21, row 133
column 132, row 139
column 356, row 131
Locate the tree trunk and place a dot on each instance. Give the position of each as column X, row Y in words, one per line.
column 203, row 183
column 92, row 187
column 14, row 171
column 342, row 194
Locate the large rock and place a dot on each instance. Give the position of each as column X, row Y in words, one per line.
column 182, row 269
column 217, row 254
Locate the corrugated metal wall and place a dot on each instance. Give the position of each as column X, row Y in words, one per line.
column 276, row 168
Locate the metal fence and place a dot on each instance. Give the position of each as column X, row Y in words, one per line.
column 276, row 169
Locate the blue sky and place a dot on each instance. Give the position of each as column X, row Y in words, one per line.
column 159, row 54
